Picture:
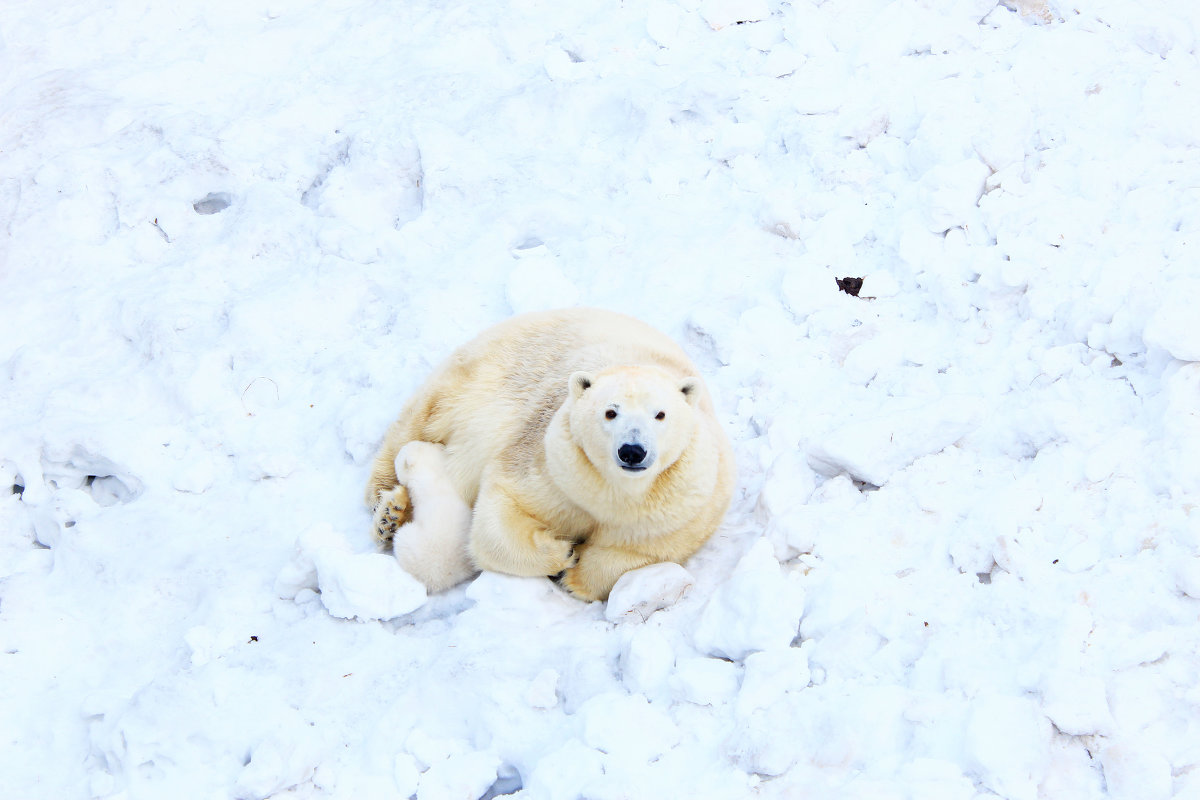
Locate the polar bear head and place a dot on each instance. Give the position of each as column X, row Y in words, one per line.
column 632, row 422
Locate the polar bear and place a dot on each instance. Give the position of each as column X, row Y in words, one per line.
column 433, row 548
column 583, row 441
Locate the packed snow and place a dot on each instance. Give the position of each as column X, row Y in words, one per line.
column 963, row 560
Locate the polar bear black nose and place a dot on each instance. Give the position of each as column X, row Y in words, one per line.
column 631, row 454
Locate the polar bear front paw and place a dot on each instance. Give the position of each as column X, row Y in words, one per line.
column 558, row 554
column 598, row 570
column 575, row 582
column 393, row 510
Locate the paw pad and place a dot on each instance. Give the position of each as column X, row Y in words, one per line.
column 389, row 516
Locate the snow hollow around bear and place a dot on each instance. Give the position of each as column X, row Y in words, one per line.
column 963, row 557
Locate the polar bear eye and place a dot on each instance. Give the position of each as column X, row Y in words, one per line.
column 660, row 416
column 610, row 414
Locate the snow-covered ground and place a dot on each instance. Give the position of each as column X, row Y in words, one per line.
column 963, row 560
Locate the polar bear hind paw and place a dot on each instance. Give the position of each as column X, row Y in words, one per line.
column 394, row 510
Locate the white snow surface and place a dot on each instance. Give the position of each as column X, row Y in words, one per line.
column 963, row 557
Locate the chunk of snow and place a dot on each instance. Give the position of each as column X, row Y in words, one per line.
column 628, row 727
column 706, row 681
column 1007, row 738
column 758, row 608
column 639, row 593
column 1172, row 326
column 723, row 13
column 647, row 660
column 543, row 690
column 459, row 776
column 872, row 449
column 1136, row 771
column 769, row 675
column 365, row 586
column 1077, row 704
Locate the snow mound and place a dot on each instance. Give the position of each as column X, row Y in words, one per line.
column 364, row 586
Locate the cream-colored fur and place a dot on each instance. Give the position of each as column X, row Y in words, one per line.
column 522, row 412
column 433, row 544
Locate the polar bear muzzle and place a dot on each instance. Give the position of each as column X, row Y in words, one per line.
column 632, row 457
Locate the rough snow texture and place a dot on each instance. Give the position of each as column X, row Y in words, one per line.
column 640, row 592
column 963, row 560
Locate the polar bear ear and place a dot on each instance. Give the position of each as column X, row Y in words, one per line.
column 578, row 383
column 691, row 389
